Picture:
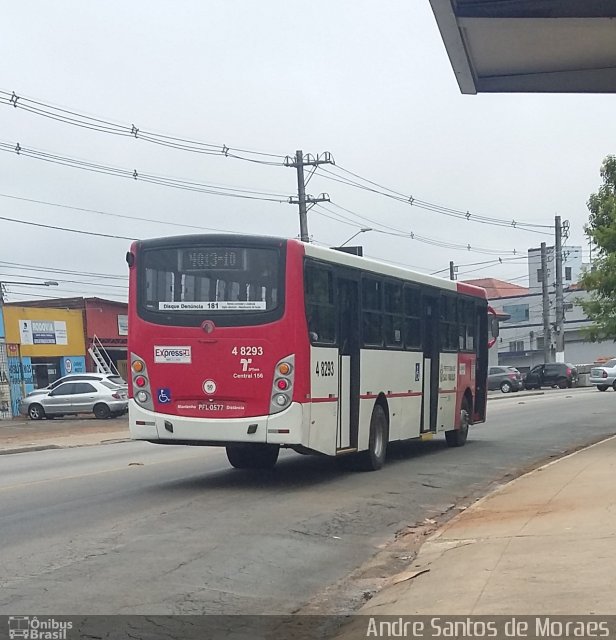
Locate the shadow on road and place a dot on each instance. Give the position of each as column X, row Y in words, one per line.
column 294, row 471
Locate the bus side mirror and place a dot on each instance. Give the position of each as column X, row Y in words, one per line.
column 494, row 327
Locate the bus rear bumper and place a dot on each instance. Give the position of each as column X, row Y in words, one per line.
column 285, row 428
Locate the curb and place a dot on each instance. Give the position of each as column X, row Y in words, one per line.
column 42, row 447
column 45, row 447
column 508, row 396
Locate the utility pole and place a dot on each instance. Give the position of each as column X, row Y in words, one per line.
column 558, row 258
column 299, row 161
column 547, row 334
column 452, row 270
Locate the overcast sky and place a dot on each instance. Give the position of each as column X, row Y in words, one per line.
column 369, row 82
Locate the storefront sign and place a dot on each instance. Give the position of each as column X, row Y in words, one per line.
column 43, row 332
column 122, row 325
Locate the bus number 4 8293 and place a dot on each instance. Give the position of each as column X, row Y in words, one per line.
column 325, row 368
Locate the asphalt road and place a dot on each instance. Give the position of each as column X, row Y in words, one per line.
column 139, row 528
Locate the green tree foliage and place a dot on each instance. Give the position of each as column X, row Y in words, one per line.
column 600, row 281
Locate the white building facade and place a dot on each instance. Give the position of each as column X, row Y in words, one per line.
column 521, row 340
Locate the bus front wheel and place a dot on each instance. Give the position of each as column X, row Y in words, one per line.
column 252, row 456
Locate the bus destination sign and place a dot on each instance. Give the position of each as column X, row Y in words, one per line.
column 216, row 259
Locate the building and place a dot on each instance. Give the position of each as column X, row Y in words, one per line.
column 5, row 388
column 105, row 327
column 42, row 344
column 521, row 340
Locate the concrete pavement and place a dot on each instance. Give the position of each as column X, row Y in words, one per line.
column 541, row 544
column 20, row 435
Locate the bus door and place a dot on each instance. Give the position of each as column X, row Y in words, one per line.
column 481, row 372
column 429, row 403
column 348, row 363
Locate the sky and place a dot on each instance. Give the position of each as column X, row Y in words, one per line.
column 369, row 82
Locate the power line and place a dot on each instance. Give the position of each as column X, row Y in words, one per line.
column 84, row 282
column 486, row 262
column 429, row 206
column 54, row 270
column 76, row 119
column 116, row 215
column 401, row 233
column 73, row 291
column 133, row 174
column 67, row 229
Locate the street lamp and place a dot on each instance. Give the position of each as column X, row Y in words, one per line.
column 363, row 230
column 47, row 283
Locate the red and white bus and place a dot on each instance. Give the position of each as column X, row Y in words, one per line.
column 256, row 343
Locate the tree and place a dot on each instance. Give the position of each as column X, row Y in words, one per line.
column 600, row 280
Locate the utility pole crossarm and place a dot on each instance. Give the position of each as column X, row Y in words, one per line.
column 299, row 161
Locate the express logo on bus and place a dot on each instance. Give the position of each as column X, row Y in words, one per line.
column 182, row 355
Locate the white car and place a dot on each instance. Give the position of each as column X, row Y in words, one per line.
column 604, row 376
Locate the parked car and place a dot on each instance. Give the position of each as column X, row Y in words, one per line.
column 73, row 377
column 102, row 398
column 556, row 374
column 604, row 375
column 506, row 379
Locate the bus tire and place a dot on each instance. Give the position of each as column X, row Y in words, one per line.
column 374, row 457
column 252, row 456
column 457, row 437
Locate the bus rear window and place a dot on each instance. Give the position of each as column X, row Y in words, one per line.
column 211, row 281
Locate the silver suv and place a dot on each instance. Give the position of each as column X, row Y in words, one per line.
column 100, row 397
column 77, row 377
column 604, row 376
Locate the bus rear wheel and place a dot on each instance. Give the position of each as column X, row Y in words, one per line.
column 374, row 457
column 457, row 437
column 252, row 456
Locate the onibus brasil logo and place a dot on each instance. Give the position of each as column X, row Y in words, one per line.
column 33, row 628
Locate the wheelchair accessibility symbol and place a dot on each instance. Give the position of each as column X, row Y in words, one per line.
column 164, row 396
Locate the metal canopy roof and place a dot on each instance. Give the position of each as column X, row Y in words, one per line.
column 559, row 46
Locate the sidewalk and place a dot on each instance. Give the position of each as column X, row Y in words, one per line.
column 20, row 435
column 542, row 544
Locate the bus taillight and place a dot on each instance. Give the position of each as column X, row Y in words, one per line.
column 141, row 384
column 283, row 382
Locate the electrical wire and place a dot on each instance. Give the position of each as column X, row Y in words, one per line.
column 74, row 118
column 133, row 174
column 116, row 215
column 429, row 206
column 394, row 231
column 54, row 270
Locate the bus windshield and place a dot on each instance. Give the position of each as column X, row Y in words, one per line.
column 219, row 282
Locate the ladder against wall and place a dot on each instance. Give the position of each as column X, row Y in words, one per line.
column 101, row 359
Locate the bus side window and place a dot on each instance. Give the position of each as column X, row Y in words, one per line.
column 449, row 324
column 320, row 308
column 372, row 313
column 412, row 317
column 393, row 314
